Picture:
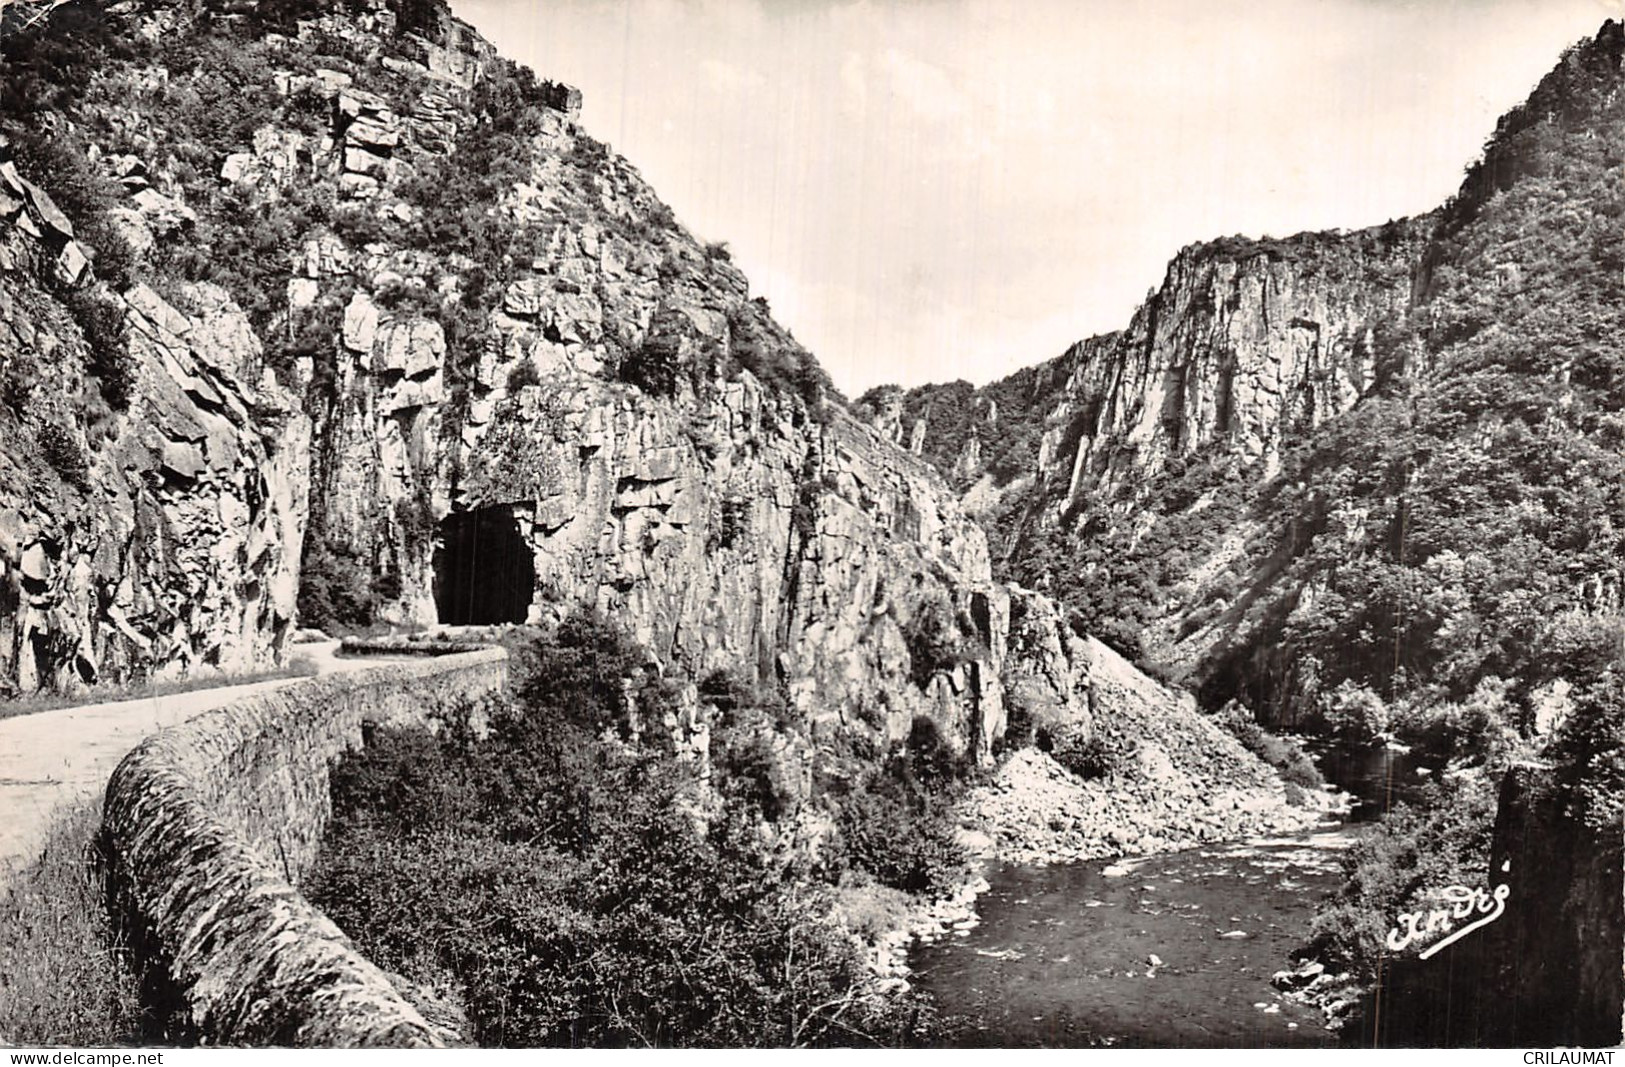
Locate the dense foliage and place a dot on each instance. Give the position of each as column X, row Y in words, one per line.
column 1005, row 418
column 1441, row 840
column 1117, row 577
column 1286, row 755
column 1455, row 540
column 572, row 878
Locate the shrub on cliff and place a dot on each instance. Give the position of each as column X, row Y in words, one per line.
column 757, row 344
column 107, row 346
column 938, row 641
column 61, row 449
column 1093, row 755
column 655, row 366
column 1286, row 756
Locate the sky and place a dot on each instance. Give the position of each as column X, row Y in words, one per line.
column 927, row 190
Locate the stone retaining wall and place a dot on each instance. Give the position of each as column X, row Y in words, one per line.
column 210, row 827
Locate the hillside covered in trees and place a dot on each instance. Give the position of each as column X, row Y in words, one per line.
column 1367, row 484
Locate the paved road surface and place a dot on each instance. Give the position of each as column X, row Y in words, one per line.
column 52, row 759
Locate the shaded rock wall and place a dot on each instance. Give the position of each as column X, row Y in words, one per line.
column 1549, row 970
column 731, row 522
column 158, row 540
column 212, row 824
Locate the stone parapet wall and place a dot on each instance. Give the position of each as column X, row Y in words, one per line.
column 210, row 828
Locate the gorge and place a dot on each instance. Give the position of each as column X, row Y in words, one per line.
column 323, row 314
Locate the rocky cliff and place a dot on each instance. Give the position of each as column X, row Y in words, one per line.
column 346, row 256
column 155, row 537
column 1371, row 484
column 1247, row 344
column 1196, row 485
column 1150, row 442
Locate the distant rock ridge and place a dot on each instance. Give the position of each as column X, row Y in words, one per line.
column 1246, row 345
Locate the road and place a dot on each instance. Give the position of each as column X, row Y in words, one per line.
column 51, row 761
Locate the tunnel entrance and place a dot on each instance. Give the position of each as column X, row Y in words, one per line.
column 483, row 571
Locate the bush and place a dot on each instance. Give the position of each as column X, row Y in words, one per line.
column 358, row 226
column 1355, row 714
column 1442, row 840
column 335, row 589
column 902, row 836
column 19, row 380
column 731, row 525
column 580, row 671
column 107, row 346
column 1093, row 756
column 404, row 298
column 655, row 366
column 935, row 644
column 931, row 760
column 414, row 515
column 310, row 335
column 523, row 374
column 563, row 881
column 750, row 772
column 759, row 345
column 1295, row 765
column 61, row 449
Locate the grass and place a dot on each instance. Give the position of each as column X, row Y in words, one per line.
column 65, row 977
column 33, row 703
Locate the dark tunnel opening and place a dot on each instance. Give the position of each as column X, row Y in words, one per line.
column 483, row 571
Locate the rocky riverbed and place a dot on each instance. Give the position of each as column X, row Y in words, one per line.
column 1034, row 811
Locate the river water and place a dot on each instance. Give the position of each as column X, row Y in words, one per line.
column 1174, row 950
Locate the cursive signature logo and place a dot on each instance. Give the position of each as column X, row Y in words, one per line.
column 1461, row 903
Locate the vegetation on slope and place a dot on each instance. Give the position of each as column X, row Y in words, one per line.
column 1006, row 418
column 1454, row 542
column 574, row 880
column 66, row 972
column 1441, row 563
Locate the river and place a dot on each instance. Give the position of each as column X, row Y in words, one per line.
column 1174, row 950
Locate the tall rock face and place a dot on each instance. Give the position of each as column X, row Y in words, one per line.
column 1248, row 345
column 1374, row 484
column 156, row 535
column 515, row 386
column 1146, row 446
column 1284, row 431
